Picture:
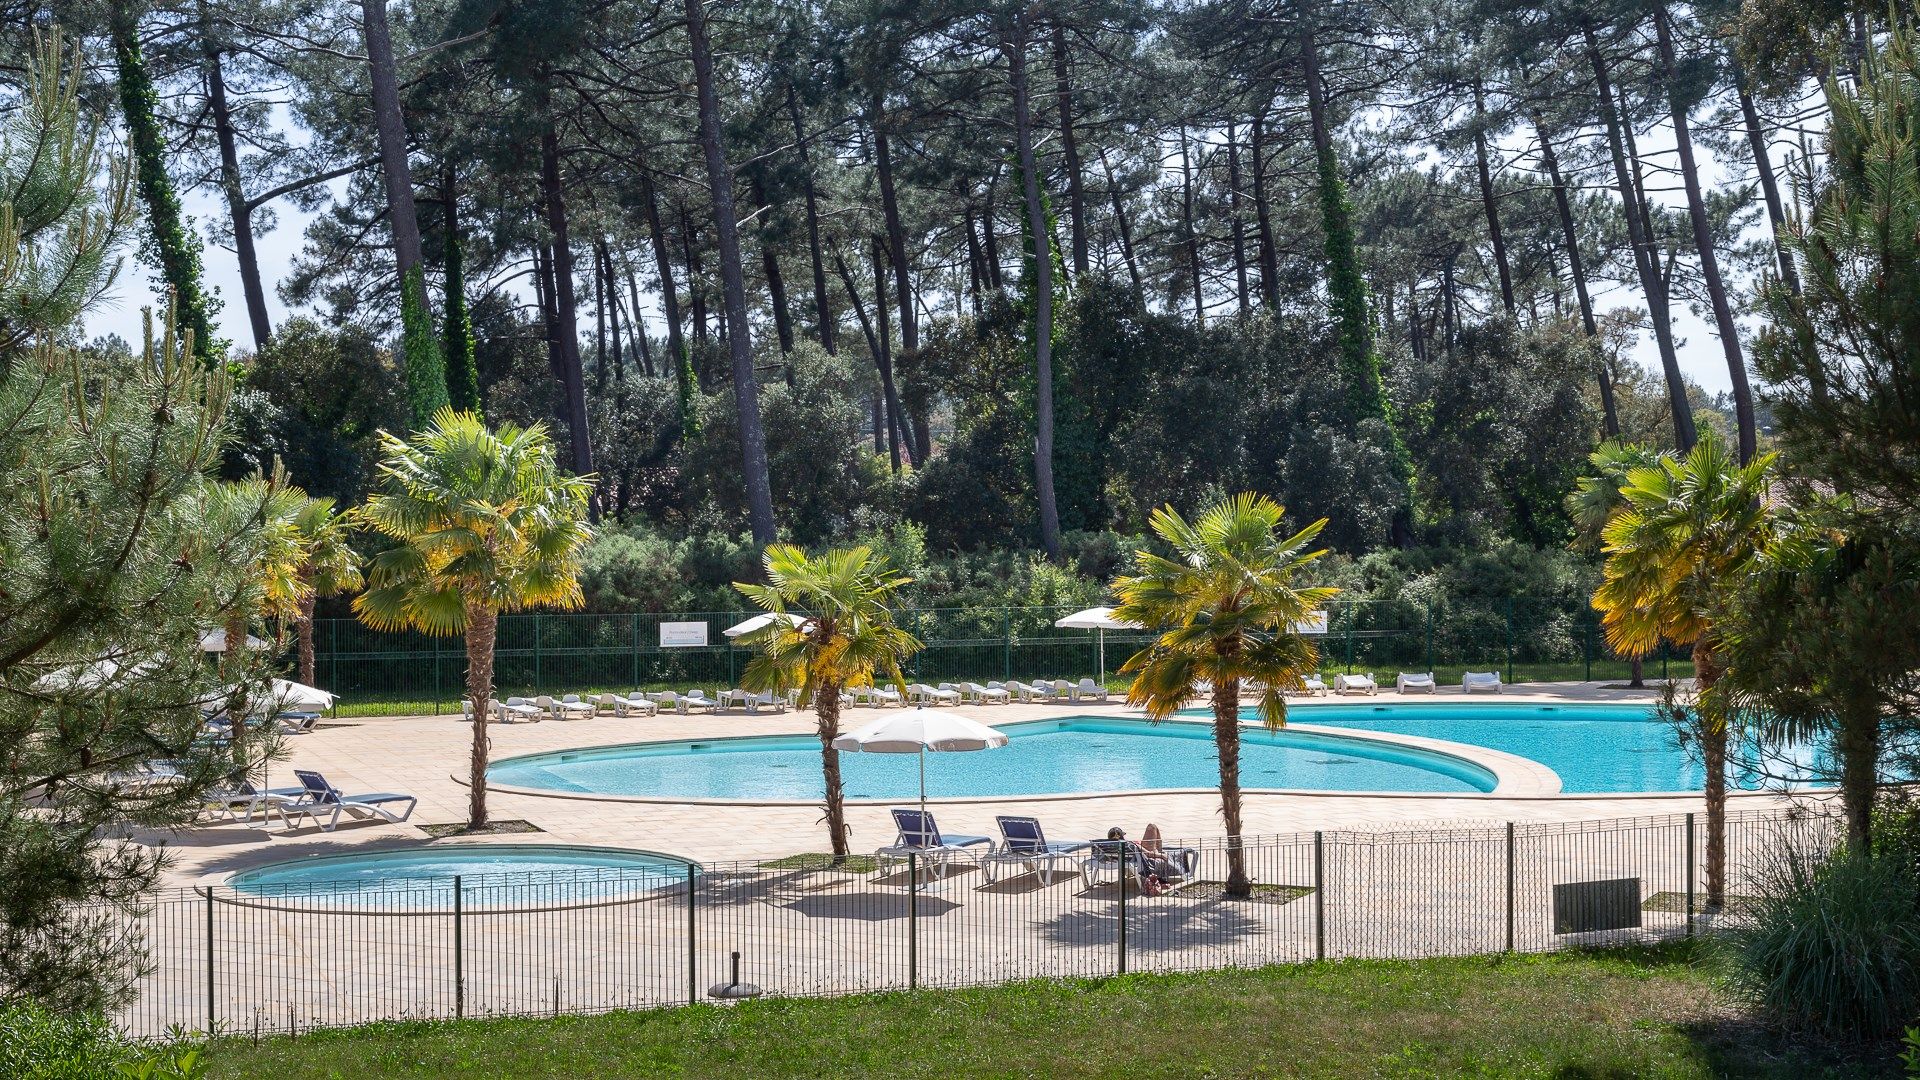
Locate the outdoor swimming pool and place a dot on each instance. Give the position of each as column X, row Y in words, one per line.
column 1044, row 757
column 489, row 874
column 1594, row 748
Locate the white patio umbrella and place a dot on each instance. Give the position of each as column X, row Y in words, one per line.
column 216, row 641
column 294, row 697
column 1098, row 619
column 916, row 731
column 762, row 621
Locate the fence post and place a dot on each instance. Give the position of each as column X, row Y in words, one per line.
column 1689, row 846
column 1587, row 651
column 1006, row 640
column 913, row 921
column 459, row 954
column 1121, row 883
column 333, row 652
column 1319, row 895
column 1664, row 653
column 635, row 684
column 1429, row 633
column 1349, row 639
column 693, row 956
column 1509, row 641
column 538, row 686
column 1510, row 885
column 210, row 1022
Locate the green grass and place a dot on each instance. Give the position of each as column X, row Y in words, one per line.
column 1627, row 1013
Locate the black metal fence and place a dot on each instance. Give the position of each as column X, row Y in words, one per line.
column 1526, row 639
column 580, row 942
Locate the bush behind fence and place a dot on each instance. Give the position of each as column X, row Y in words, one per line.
column 549, row 944
column 1525, row 639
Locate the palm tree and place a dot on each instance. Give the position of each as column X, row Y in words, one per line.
column 830, row 628
column 486, row 523
column 331, row 567
column 1685, row 528
column 1227, row 610
column 1596, row 496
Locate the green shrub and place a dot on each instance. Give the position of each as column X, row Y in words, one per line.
column 1833, row 946
column 36, row 1044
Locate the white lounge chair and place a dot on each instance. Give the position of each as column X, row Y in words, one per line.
column 323, row 800
column 877, row 696
column 625, row 706
column 1313, row 685
column 1355, row 684
column 765, row 699
column 1415, row 680
column 698, row 699
column 1066, row 691
column 518, row 708
column 1480, row 680
column 244, row 801
column 1018, row 689
column 991, row 694
column 566, row 708
column 921, row 693
column 1090, row 689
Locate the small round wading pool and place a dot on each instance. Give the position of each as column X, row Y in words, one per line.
column 490, row 875
column 1076, row 755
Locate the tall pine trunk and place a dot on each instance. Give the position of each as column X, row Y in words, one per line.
column 482, row 625
column 1703, row 246
column 897, row 254
column 1576, row 267
column 746, row 394
column 1189, row 237
column 1070, row 152
column 1857, row 744
column 1239, row 228
column 822, row 311
column 1645, row 261
column 669, row 295
column 566, row 335
column 239, row 211
column 1263, row 213
column 1489, row 202
column 1125, row 230
column 1015, row 48
column 1769, row 183
column 1226, row 741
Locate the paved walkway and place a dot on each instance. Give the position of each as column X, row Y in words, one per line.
column 427, row 756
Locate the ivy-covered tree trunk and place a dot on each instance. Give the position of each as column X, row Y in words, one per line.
column 171, row 246
column 1365, row 392
column 463, row 366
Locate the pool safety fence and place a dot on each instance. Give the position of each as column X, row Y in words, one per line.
column 312, row 956
column 1525, row 639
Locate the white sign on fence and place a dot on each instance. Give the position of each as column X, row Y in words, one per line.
column 683, row 635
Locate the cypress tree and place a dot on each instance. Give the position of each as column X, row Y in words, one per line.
column 426, row 369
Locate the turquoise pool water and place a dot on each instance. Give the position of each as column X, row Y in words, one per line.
column 1078, row 754
column 1594, row 748
column 489, row 874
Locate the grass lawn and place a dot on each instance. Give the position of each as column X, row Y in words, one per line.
column 1624, row 1013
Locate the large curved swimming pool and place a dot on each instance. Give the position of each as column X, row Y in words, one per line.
column 489, row 875
column 1594, row 748
column 1044, row 757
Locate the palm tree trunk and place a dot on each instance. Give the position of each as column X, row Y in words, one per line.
column 746, row 392
column 1226, row 739
column 303, row 631
column 826, row 710
column 482, row 624
column 1713, row 755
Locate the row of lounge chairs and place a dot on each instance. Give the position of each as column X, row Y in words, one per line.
column 993, row 693
column 1023, row 844
column 1408, row 682
column 643, row 703
column 315, row 799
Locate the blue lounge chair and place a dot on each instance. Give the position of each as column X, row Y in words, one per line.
column 920, row 835
column 324, row 800
column 1024, row 843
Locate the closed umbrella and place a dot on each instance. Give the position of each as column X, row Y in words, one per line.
column 761, row 622
column 917, row 731
column 216, row 641
column 1098, row 619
